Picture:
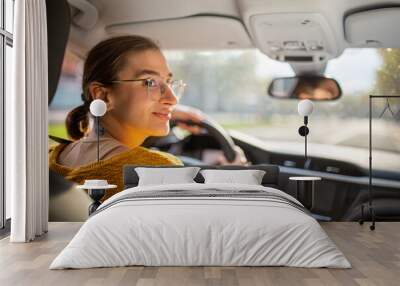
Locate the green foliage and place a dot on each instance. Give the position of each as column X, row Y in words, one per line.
column 58, row 130
column 388, row 76
column 219, row 82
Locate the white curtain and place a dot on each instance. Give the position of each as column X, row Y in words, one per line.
column 26, row 124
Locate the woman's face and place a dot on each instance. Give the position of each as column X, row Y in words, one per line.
column 134, row 104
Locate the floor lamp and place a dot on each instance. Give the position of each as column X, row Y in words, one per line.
column 370, row 185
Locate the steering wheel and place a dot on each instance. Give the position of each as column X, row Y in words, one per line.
column 213, row 129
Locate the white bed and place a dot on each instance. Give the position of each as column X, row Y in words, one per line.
column 252, row 225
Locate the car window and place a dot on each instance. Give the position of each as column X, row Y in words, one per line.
column 68, row 94
column 231, row 86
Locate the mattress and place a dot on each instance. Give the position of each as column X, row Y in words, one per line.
column 201, row 225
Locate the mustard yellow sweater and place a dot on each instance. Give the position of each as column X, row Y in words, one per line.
column 110, row 169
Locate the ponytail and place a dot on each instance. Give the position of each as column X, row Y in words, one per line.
column 77, row 121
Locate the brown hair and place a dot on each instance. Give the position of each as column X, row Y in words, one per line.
column 102, row 65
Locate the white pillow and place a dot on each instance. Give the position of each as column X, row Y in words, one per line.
column 249, row 177
column 162, row 176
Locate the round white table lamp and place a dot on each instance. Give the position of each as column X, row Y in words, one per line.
column 98, row 108
column 305, row 107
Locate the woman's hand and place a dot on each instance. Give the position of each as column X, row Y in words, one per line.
column 240, row 158
column 184, row 112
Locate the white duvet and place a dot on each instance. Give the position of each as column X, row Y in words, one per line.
column 185, row 231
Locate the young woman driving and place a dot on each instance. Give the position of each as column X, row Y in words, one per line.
column 131, row 75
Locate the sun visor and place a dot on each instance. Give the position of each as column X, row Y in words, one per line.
column 196, row 32
column 375, row 28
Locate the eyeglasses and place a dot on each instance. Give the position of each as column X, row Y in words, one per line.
column 156, row 88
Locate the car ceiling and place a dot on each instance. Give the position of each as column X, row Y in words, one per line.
column 305, row 33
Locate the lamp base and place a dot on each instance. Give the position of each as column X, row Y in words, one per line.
column 96, row 195
column 304, row 131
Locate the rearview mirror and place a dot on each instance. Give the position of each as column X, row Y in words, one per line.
column 305, row 87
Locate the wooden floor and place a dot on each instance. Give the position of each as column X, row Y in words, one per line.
column 375, row 257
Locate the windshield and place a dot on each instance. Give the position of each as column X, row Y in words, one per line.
column 231, row 86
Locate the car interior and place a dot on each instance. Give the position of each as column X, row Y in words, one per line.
column 303, row 40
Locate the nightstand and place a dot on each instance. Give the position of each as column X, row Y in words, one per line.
column 305, row 186
column 96, row 190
